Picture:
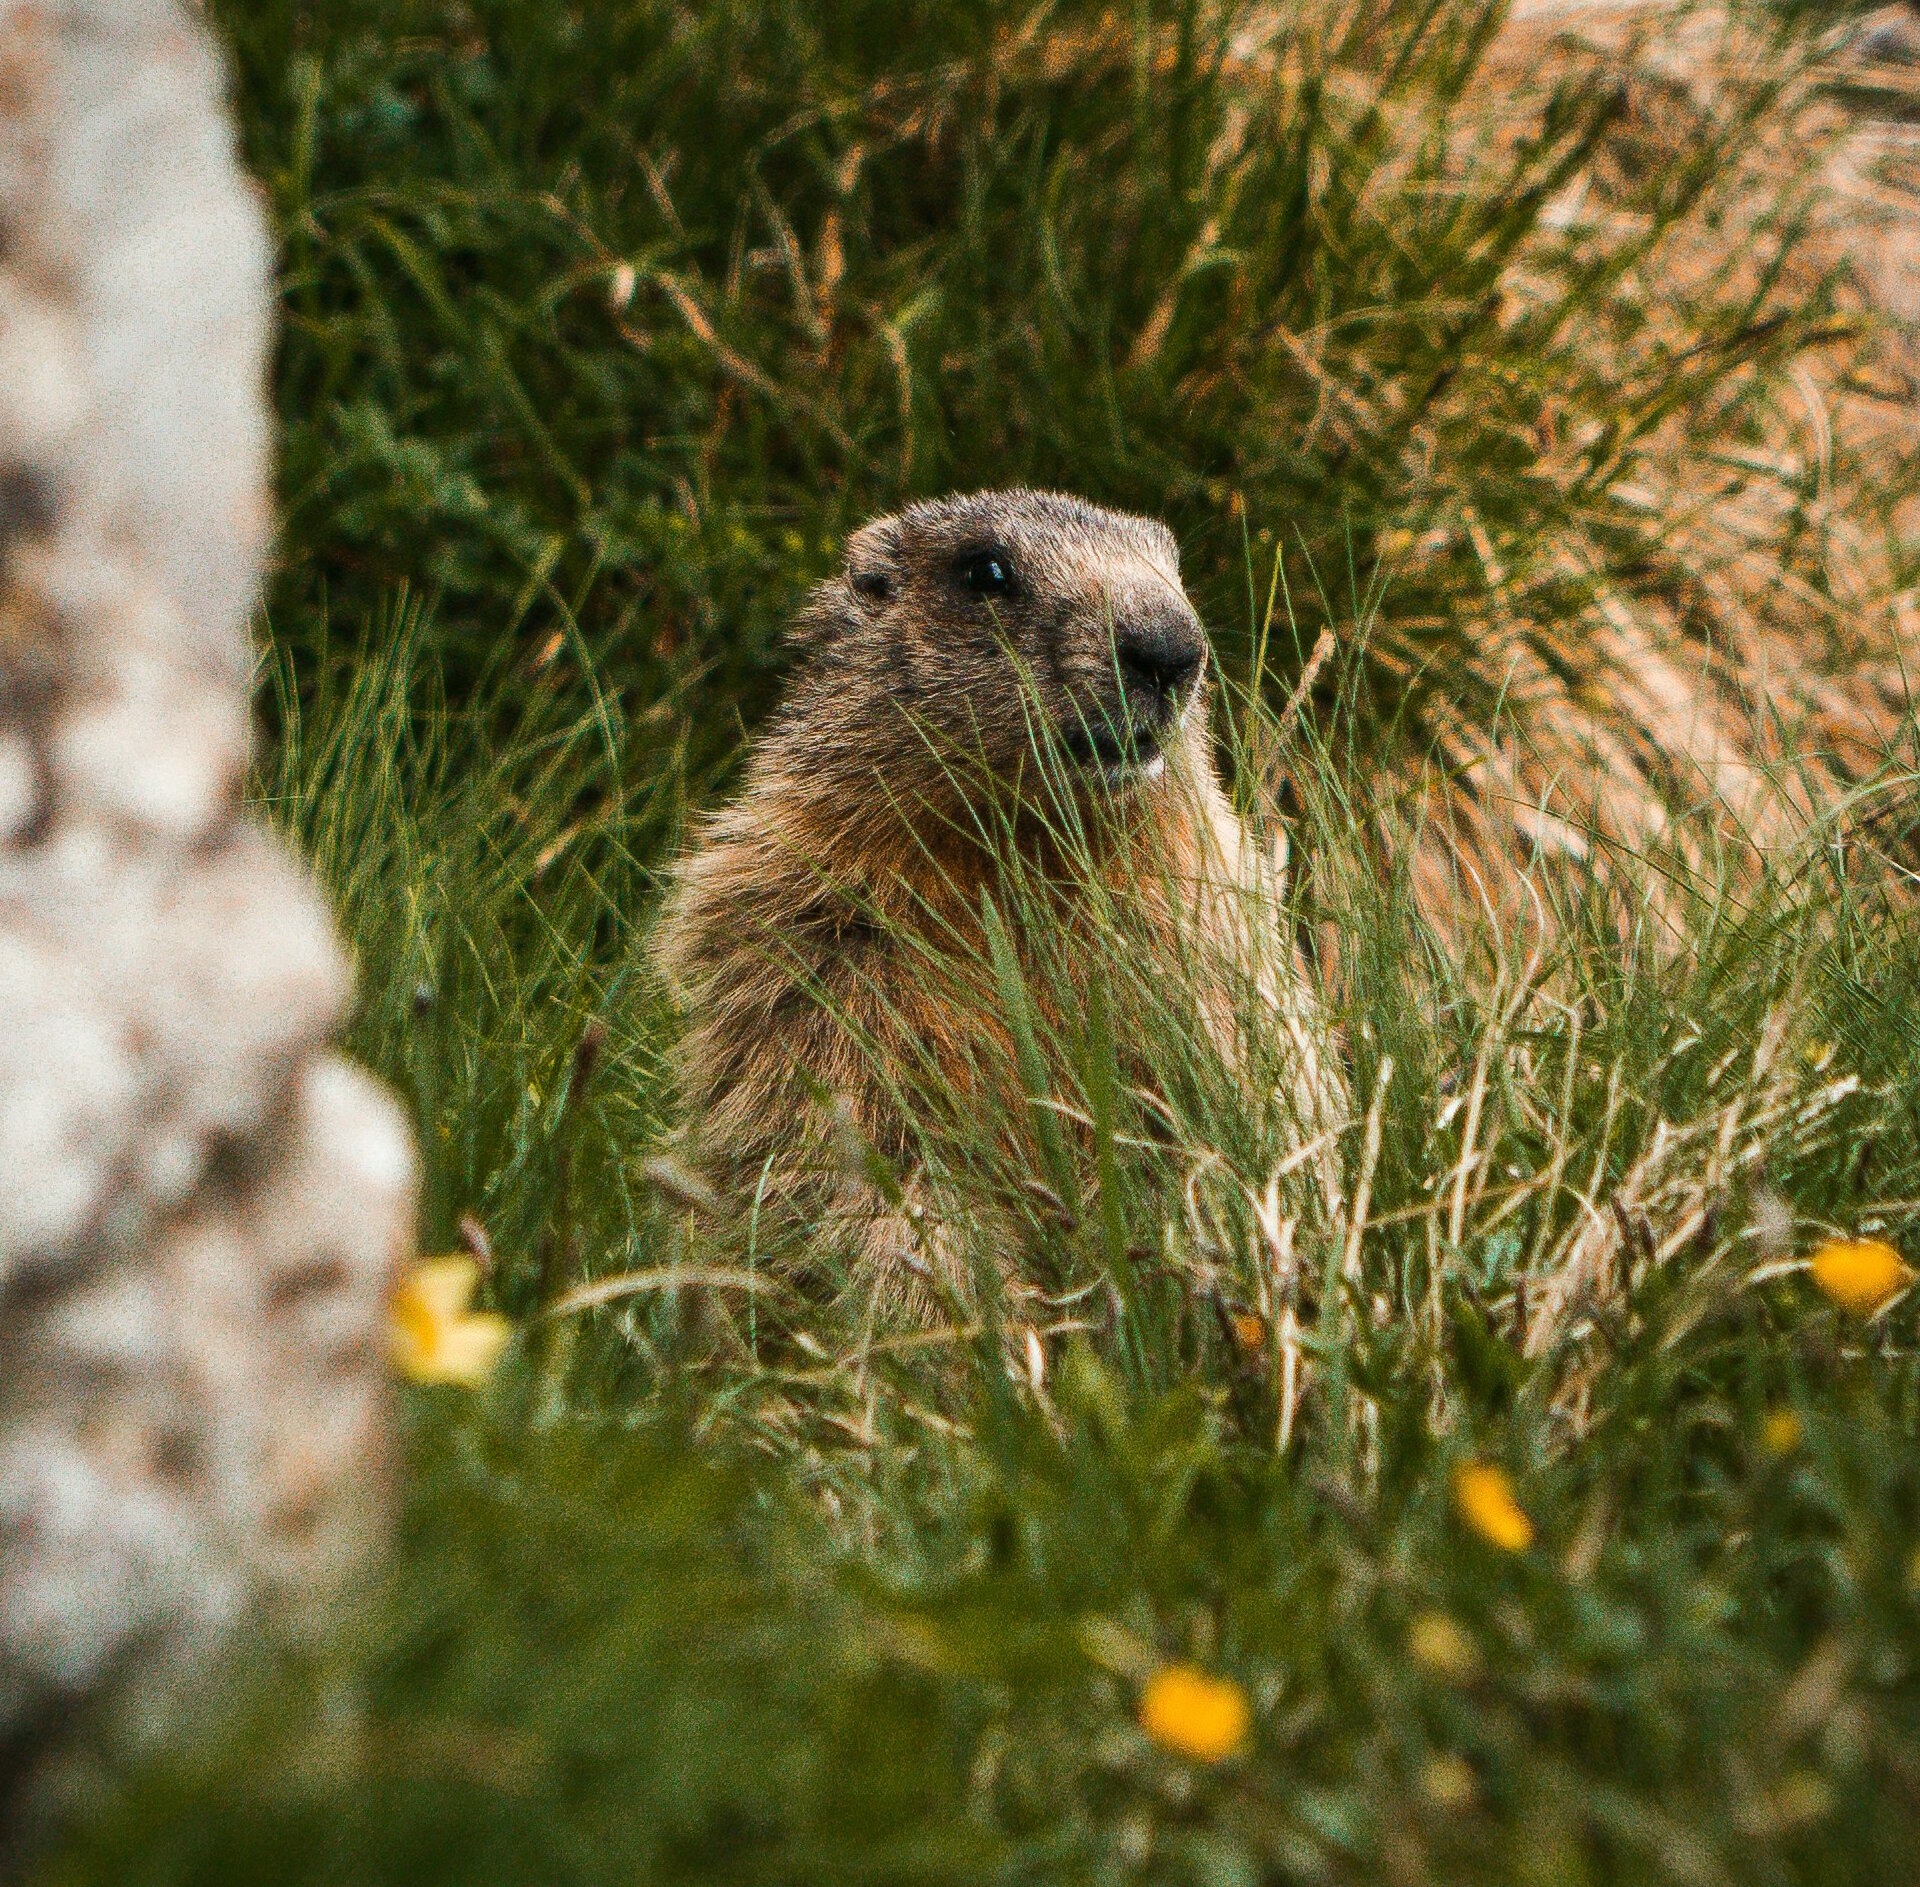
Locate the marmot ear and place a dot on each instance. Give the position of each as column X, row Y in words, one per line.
column 873, row 562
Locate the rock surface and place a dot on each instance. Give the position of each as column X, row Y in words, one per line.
column 200, row 1206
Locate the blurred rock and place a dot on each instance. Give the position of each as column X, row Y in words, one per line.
column 200, row 1208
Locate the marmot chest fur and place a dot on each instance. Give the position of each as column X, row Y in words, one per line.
column 971, row 649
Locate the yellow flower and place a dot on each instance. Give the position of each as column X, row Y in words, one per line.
column 1861, row 1275
column 1193, row 1714
column 1438, row 1644
column 1484, row 1496
column 1780, row 1433
column 434, row 1336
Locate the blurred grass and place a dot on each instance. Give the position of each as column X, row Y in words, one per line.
column 595, row 1660
column 713, row 1586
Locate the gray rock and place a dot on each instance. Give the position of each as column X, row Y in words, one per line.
column 200, row 1207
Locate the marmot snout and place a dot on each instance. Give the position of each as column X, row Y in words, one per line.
column 969, row 644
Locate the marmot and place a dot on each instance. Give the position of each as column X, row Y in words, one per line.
column 965, row 641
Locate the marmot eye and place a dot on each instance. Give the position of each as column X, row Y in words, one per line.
column 987, row 573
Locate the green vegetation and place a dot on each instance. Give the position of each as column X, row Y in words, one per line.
column 708, row 1584
column 609, row 321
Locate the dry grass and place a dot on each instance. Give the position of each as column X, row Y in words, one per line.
column 1746, row 667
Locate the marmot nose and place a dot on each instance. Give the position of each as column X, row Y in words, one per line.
column 1161, row 653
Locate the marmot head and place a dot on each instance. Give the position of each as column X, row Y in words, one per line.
column 1005, row 618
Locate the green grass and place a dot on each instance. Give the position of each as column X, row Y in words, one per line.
column 715, row 1586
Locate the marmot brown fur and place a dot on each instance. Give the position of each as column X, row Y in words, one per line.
column 961, row 638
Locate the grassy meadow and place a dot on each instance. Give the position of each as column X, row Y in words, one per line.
column 1502, row 1499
